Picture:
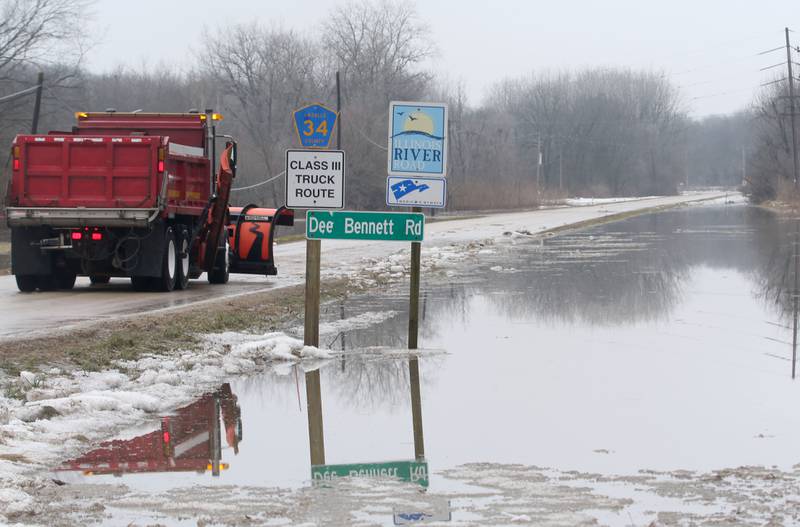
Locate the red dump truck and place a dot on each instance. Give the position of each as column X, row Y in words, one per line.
column 132, row 195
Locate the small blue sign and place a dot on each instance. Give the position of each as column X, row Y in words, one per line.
column 404, row 191
column 314, row 125
column 417, row 138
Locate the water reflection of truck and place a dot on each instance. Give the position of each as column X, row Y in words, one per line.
column 132, row 195
column 190, row 440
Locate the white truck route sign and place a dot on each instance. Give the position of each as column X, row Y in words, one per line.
column 315, row 179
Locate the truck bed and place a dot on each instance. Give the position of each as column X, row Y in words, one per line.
column 68, row 178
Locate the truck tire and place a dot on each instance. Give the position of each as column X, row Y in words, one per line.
column 220, row 273
column 26, row 283
column 65, row 280
column 97, row 279
column 141, row 283
column 182, row 281
column 46, row 283
column 169, row 263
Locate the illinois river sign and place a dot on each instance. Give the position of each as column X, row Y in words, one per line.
column 417, row 139
column 315, row 179
column 350, row 225
column 417, row 155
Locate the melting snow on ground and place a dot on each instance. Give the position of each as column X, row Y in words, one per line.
column 60, row 414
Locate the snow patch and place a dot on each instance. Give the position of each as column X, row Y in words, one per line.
column 64, row 414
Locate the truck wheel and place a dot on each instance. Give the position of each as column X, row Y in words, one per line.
column 46, row 283
column 65, row 280
column 182, row 281
column 141, row 283
column 169, row 263
column 26, row 282
column 96, row 279
column 220, row 273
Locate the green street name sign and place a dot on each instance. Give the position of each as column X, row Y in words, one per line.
column 350, row 225
column 412, row 471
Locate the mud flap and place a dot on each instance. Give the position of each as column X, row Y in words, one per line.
column 26, row 256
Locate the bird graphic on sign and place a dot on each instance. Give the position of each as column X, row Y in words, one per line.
column 405, row 187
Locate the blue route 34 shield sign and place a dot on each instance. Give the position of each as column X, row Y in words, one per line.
column 417, row 139
column 314, row 125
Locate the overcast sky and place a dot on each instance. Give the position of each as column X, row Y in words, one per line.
column 707, row 47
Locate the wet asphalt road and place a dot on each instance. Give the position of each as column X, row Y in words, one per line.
column 41, row 313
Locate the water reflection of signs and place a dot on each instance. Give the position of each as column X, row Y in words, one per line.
column 415, row 471
column 411, row 471
column 439, row 513
column 190, row 440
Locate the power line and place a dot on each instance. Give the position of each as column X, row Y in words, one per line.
column 719, row 94
column 259, row 184
column 770, row 50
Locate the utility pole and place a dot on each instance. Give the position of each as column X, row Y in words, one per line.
column 37, row 103
column 560, row 169
column 792, row 106
column 795, row 292
column 539, row 163
column 744, row 166
column 338, row 112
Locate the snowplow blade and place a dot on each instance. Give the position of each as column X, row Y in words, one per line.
column 251, row 231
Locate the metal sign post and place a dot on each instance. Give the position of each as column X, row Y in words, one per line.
column 417, row 165
column 314, row 178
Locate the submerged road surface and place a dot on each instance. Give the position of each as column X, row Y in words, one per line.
column 37, row 314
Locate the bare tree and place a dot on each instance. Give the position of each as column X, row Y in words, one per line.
column 771, row 161
column 262, row 75
column 34, row 31
column 379, row 48
column 38, row 35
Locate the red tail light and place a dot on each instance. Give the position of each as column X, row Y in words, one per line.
column 97, row 236
column 166, row 436
column 16, row 164
column 160, row 166
column 77, row 235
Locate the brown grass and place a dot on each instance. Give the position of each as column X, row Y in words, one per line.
column 485, row 195
column 97, row 348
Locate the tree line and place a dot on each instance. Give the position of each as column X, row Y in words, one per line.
column 598, row 132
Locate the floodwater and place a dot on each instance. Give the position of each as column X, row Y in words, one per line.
column 661, row 342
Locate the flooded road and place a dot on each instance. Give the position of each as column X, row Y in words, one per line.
column 654, row 345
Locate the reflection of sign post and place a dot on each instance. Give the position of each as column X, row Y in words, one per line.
column 415, row 471
column 412, row 471
column 315, row 179
column 350, row 225
column 314, row 125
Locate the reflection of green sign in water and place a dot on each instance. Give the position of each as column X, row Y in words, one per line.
column 413, row 471
column 349, row 225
